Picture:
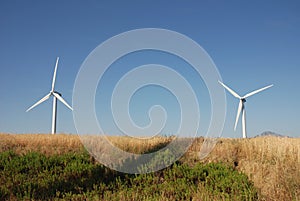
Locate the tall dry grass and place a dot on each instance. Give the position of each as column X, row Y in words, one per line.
column 272, row 163
column 44, row 143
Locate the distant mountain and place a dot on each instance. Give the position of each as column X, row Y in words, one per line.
column 270, row 133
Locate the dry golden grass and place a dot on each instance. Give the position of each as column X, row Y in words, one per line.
column 272, row 163
column 44, row 143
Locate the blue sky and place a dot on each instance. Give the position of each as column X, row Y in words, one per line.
column 252, row 43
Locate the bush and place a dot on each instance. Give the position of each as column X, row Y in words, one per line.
column 75, row 177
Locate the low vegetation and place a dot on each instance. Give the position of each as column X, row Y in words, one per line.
column 42, row 167
column 75, row 176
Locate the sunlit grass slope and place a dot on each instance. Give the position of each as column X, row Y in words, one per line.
column 271, row 163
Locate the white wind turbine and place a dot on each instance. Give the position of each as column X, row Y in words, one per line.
column 241, row 107
column 56, row 95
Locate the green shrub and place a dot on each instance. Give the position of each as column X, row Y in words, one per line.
column 76, row 177
column 181, row 182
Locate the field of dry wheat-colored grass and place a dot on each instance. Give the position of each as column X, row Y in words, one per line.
column 272, row 163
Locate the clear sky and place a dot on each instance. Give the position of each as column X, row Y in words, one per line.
column 252, row 43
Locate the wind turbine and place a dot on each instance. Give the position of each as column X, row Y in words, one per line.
column 56, row 95
column 241, row 107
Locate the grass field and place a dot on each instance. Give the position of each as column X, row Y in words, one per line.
column 271, row 163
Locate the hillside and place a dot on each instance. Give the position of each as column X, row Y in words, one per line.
column 271, row 163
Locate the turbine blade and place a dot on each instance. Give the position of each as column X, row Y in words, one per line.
column 238, row 113
column 230, row 90
column 257, row 91
column 54, row 74
column 62, row 100
column 40, row 101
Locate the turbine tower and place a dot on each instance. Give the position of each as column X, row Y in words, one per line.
column 241, row 107
column 56, row 95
